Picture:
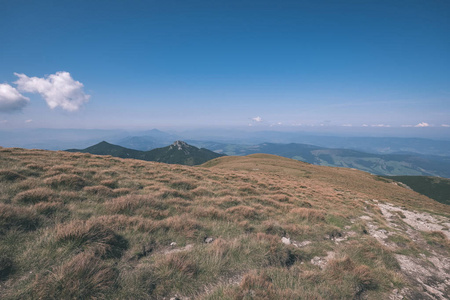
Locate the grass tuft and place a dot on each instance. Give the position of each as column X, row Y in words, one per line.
column 98, row 190
column 91, row 236
column 66, row 181
column 34, row 196
column 83, row 277
column 22, row 218
column 8, row 175
column 308, row 214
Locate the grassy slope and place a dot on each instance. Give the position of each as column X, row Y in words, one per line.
column 77, row 225
column 434, row 187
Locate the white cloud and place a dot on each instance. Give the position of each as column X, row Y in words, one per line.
column 57, row 89
column 423, row 124
column 445, row 125
column 257, row 119
column 10, row 99
column 381, row 125
column 28, row 121
column 365, row 125
column 345, row 125
column 276, row 124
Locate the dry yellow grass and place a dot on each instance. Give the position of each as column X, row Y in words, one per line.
column 102, row 227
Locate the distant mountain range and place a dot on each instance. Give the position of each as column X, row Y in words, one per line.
column 177, row 153
column 144, row 140
column 149, row 140
column 379, row 164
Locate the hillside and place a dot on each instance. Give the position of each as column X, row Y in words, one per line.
column 83, row 226
column 434, row 187
column 105, row 148
column 380, row 164
column 177, row 153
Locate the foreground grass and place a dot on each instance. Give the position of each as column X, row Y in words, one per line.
column 95, row 227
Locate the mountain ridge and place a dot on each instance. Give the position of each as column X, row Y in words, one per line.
column 177, row 153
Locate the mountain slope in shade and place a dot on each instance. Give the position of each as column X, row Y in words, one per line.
column 105, row 148
column 177, row 153
column 181, row 153
column 434, row 187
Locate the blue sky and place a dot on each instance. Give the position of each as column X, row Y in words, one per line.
column 180, row 64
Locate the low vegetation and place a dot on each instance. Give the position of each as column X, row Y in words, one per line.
column 81, row 226
column 436, row 188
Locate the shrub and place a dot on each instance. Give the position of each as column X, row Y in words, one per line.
column 35, row 195
column 83, row 277
column 17, row 217
column 66, row 181
column 91, row 235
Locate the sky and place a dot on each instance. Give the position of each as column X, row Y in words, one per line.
column 263, row 64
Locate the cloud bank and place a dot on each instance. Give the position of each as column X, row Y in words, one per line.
column 381, row 125
column 10, row 99
column 58, row 89
column 423, row 124
column 257, row 119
